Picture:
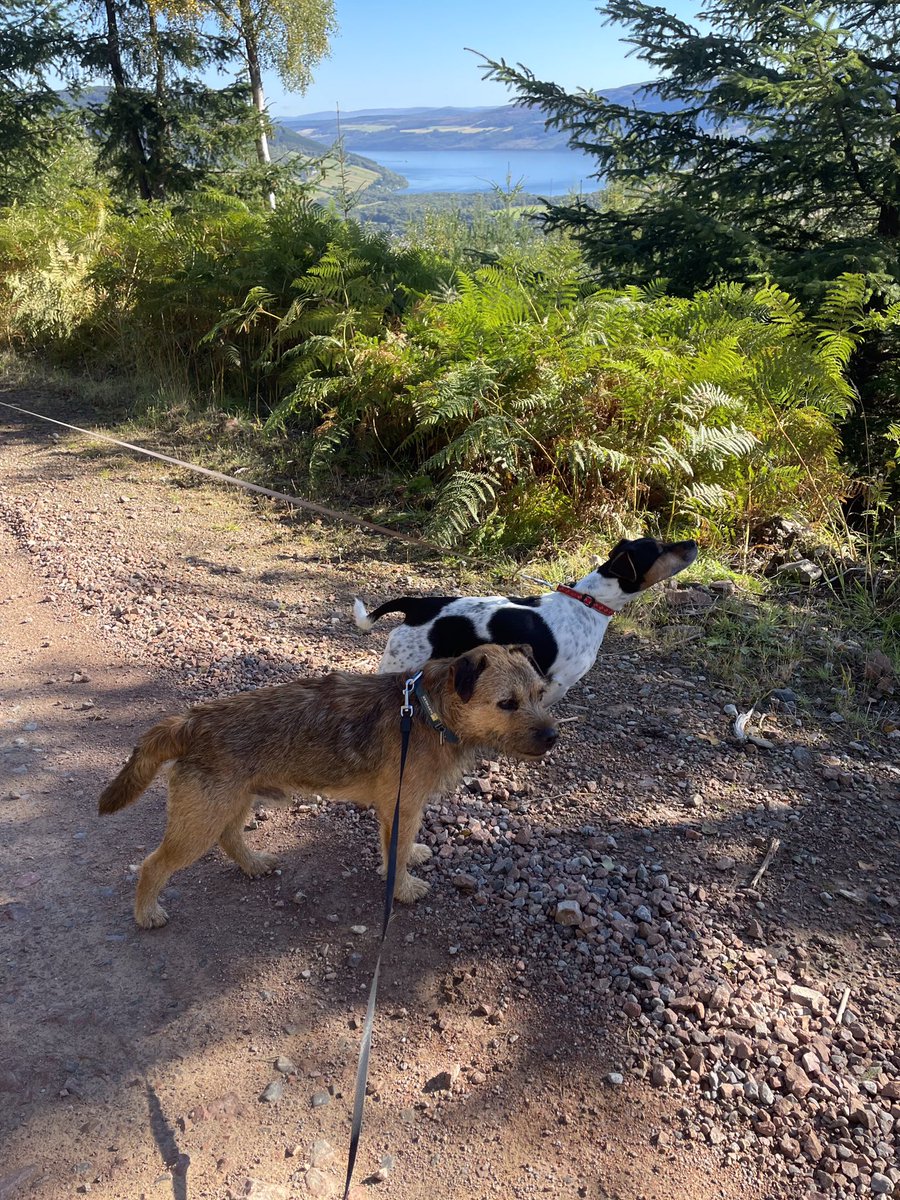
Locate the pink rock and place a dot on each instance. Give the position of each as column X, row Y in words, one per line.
column 809, row 998
column 796, row 1081
column 661, row 1076
column 810, row 1063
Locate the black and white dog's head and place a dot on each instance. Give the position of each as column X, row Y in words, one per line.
column 564, row 627
column 637, row 565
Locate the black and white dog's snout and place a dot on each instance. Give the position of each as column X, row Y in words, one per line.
column 564, row 628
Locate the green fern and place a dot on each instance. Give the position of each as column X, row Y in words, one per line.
column 530, row 396
column 461, row 503
column 331, row 436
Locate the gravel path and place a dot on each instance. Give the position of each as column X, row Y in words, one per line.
column 592, row 1003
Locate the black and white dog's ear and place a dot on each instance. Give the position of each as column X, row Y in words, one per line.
column 620, row 564
column 528, row 651
column 464, row 674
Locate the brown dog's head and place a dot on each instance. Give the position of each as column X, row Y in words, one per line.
column 493, row 697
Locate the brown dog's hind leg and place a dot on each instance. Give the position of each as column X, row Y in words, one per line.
column 195, row 824
column 172, row 855
column 234, row 844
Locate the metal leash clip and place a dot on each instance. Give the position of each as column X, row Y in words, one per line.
column 406, row 708
column 534, row 579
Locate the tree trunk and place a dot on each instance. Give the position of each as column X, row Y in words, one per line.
column 889, row 221
column 248, row 31
column 117, row 70
column 162, row 149
column 889, row 214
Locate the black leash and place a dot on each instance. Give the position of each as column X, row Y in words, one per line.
column 362, row 1067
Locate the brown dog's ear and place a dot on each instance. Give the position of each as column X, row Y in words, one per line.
column 465, row 672
column 528, row 651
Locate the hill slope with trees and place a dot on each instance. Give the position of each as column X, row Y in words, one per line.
column 505, row 128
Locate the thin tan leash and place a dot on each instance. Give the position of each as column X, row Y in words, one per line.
column 293, row 501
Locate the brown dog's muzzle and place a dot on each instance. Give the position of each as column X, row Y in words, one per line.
column 542, row 740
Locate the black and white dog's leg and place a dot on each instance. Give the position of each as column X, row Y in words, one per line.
column 555, row 692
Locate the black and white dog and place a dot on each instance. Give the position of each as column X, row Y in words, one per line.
column 564, row 628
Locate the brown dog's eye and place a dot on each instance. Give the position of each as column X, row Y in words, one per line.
column 508, row 705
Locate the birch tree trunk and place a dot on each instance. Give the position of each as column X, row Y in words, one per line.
column 248, row 32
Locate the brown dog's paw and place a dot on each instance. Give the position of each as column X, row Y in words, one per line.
column 153, row 918
column 409, row 889
column 259, row 864
column 418, row 854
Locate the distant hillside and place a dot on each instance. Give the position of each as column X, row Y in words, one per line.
column 362, row 174
column 504, row 128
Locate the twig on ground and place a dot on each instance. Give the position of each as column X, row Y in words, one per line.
column 842, row 1007
column 774, row 844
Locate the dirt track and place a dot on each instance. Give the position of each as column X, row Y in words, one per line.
column 132, row 1063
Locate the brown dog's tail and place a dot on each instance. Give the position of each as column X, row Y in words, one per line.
column 164, row 741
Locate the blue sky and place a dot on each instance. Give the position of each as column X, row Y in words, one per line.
column 401, row 53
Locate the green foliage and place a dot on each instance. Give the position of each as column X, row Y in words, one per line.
column 32, row 129
column 294, row 35
column 767, row 146
column 161, row 130
column 707, row 413
column 513, row 401
column 287, row 36
column 192, row 135
column 290, row 36
column 45, row 260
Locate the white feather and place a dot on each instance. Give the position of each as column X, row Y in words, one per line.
column 740, row 724
column 743, row 734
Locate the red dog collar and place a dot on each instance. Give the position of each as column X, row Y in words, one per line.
column 586, row 600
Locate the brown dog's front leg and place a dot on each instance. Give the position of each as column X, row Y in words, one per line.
column 407, row 889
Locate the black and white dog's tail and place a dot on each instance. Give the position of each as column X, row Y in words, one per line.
column 365, row 620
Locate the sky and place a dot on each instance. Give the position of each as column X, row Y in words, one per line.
column 404, row 53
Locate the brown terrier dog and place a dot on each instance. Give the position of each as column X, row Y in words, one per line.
column 339, row 734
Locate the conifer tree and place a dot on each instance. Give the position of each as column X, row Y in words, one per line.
column 161, row 130
column 769, row 145
column 32, row 38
